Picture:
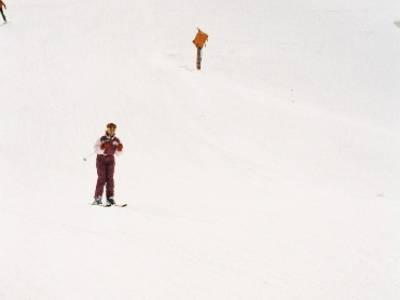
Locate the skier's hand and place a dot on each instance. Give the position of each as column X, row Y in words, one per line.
column 119, row 147
column 105, row 146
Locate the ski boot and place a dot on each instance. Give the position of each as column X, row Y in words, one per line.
column 97, row 201
column 110, row 201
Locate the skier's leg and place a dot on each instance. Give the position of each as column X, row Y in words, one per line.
column 101, row 176
column 110, row 177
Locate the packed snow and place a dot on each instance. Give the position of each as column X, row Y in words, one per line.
column 272, row 173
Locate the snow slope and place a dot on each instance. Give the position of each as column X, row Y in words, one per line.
column 270, row 174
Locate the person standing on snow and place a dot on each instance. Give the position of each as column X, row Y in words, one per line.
column 2, row 4
column 106, row 147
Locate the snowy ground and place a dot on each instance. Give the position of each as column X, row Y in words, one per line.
column 270, row 174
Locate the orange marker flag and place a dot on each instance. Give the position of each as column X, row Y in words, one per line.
column 200, row 39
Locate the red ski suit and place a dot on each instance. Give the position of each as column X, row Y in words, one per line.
column 105, row 148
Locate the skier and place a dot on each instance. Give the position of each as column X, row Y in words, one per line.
column 2, row 4
column 106, row 147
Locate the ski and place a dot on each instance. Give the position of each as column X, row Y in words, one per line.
column 117, row 205
column 105, row 205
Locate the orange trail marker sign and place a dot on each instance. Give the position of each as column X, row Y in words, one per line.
column 199, row 41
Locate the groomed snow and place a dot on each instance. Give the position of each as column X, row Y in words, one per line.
column 272, row 173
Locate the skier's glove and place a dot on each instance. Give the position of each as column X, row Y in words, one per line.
column 105, row 146
column 119, row 147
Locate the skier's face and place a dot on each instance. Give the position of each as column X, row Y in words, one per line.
column 111, row 130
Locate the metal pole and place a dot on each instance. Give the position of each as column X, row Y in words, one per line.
column 198, row 60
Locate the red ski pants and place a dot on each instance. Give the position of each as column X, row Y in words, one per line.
column 105, row 172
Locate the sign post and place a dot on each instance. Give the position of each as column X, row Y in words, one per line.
column 199, row 41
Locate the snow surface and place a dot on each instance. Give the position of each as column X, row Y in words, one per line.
column 270, row 174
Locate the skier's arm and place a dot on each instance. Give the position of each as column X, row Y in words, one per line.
column 119, row 146
column 98, row 147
